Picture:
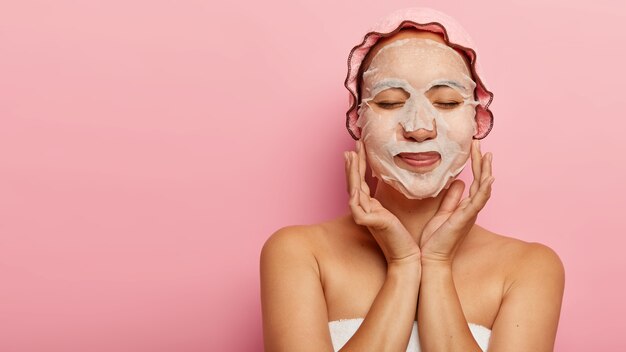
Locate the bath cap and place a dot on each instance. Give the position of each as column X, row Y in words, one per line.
column 424, row 19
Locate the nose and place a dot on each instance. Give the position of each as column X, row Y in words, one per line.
column 421, row 134
column 420, row 123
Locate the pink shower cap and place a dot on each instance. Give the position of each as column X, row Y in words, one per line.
column 424, row 19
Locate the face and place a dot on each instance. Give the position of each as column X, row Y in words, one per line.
column 417, row 115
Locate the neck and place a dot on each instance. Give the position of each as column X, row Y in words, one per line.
column 412, row 213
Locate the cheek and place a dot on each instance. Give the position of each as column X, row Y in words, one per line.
column 461, row 129
column 379, row 129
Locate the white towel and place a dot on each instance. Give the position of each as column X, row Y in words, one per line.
column 342, row 330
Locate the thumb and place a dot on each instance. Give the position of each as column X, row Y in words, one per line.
column 452, row 197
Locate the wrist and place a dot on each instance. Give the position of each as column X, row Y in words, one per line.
column 436, row 264
column 434, row 272
column 405, row 267
column 411, row 261
column 406, row 275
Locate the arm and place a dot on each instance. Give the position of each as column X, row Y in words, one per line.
column 389, row 322
column 441, row 323
column 294, row 307
column 529, row 314
column 292, row 300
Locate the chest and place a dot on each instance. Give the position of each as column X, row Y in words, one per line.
column 352, row 280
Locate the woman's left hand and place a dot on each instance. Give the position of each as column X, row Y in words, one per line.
column 446, row 230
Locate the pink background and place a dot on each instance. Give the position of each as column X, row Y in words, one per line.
column 149, row 148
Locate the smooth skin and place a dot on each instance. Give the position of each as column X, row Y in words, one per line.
column 393, row 260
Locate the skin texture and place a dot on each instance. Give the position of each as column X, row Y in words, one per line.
column 406, row 33
column 414, row 101
column 393, row 260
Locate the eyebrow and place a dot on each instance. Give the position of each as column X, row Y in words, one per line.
column 390, row 83
column 400, row 83
column 447, row 83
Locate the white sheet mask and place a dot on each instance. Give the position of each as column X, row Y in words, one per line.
column 416, row 65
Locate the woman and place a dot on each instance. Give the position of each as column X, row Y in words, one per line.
column 407, row 269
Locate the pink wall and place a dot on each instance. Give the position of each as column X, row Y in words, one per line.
column 140, row 172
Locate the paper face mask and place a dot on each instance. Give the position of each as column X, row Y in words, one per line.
column 419, row 67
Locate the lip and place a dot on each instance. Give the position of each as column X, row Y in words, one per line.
column 420, row 160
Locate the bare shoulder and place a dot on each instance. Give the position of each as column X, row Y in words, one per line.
column 300, row 240
column 291, row 282
column 532, row 293
column 293, row 237
column 523, row 260
column 313, row 235
column 290, row 242
column 301, row 237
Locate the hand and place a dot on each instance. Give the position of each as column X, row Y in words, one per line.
column 446, row 230
column 394, row 239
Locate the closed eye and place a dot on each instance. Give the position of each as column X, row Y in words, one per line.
column 389, row 105
column 447, row 105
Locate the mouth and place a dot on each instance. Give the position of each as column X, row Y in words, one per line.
column 423, row 161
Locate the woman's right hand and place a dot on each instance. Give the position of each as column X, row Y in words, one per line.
column 394, row 239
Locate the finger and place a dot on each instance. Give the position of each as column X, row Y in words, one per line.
column 465, row 202
column 358, row 214
column 486, row 167
column 490, row 166
column 360, row 148
column 357, row 211
column 357, row 183
column 364, row 200
column 476, row 167
column 363, row 195
column 452, row 197
column 359, row 151
column 471, row 206
column 347, row 167
column 482, row 196
column 485, row 176
column 355, row 179
column 360, row 202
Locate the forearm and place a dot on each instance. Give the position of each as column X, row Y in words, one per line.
column 389, row 322
column 441, row 323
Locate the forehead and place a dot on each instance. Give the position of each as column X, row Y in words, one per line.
column 418, row 60
column 402, row 34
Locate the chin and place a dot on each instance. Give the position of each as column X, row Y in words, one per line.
column 406, row 193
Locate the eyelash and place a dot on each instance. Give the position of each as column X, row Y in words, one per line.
column 389, row 105
column 449, row 105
